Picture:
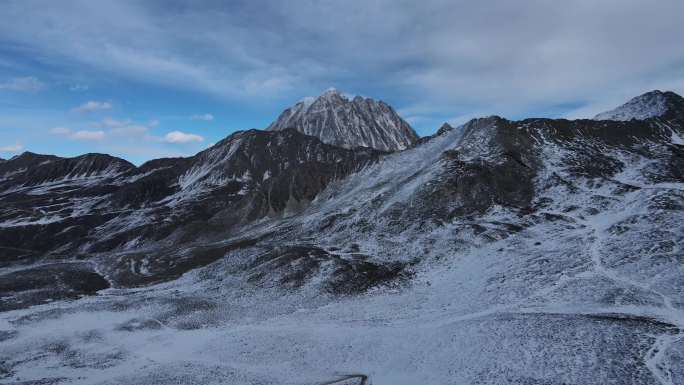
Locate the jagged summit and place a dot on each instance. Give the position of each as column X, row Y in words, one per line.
column 649, row 105
column 348, row 122
column 446, row 127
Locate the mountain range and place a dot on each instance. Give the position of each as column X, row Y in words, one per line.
column 338, row 247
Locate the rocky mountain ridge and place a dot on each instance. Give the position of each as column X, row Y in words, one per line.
column 96, row 203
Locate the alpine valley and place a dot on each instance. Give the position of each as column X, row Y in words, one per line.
column 338, row 247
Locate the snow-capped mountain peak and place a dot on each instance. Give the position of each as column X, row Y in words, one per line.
column 348, row 121
column 649, row 105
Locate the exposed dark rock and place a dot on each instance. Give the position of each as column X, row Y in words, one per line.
column 48, row 283
column 102, row 203
column 446, row 127
column 292, row 267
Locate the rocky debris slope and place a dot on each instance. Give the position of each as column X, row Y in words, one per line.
column 357, row 122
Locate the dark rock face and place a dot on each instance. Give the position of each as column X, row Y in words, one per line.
column 144, row 267
column 503, row 177
column 30, row 169
column 247, row 176
column 359, row 122
column 33, row 286
column 294, row 266
column 446, row 127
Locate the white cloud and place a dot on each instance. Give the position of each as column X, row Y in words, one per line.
column 124, row 127
column 110, row 122
column 182, row 137
column 131, row 129
column 93, row 106
column 24, row 84
column 12, row 148
column 88, row 135
column 206, row 117
column 78, row 135
column 60, row 131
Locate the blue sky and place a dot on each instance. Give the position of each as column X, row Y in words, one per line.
column 147, row 79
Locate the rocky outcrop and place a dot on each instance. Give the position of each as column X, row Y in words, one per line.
column 348, row 122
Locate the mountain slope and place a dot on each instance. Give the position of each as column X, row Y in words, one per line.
column 337, row 120
column 649, row 105
column 537, row 251
column 95, row 204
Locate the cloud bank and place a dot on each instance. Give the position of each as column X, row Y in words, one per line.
column 469, row 56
